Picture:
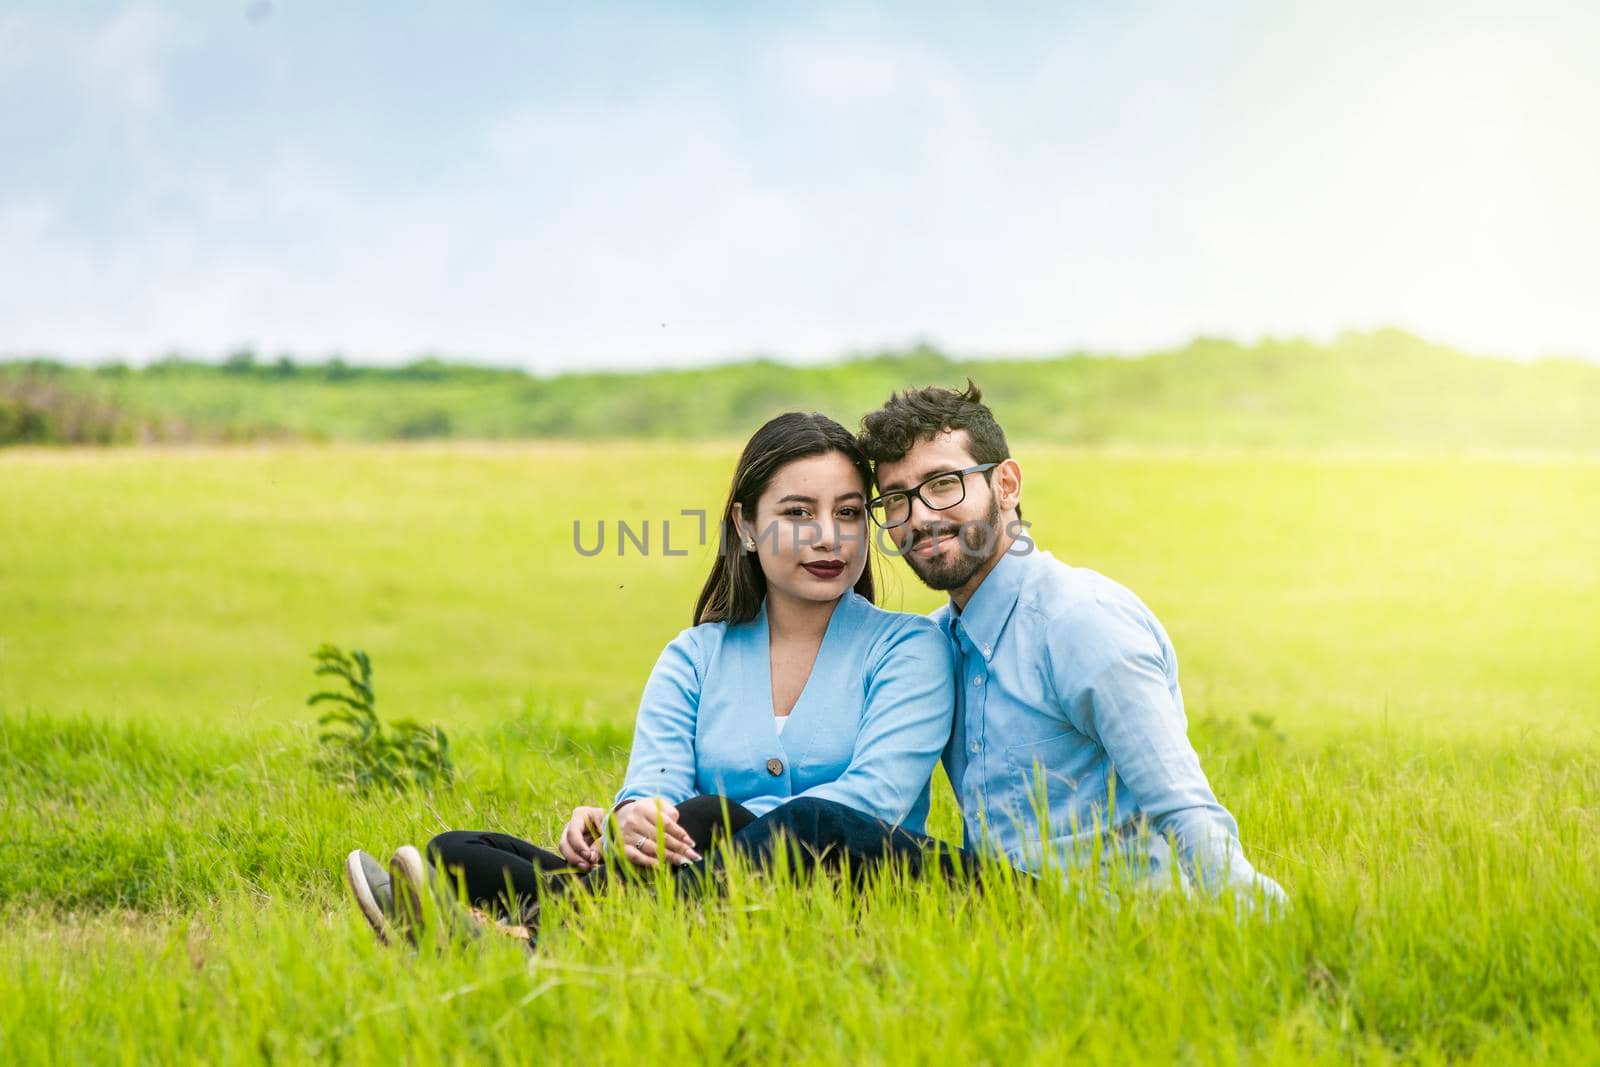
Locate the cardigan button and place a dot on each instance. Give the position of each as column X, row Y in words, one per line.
column 775, row 767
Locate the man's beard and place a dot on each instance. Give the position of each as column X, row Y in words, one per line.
column 978, row 542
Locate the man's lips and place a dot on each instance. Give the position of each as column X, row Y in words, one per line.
column 826, row 568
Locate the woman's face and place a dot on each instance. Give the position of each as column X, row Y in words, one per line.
column 810, row 528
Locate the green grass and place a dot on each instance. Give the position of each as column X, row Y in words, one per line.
column 1388, row 662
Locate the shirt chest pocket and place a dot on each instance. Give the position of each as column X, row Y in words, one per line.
column 1041, row 774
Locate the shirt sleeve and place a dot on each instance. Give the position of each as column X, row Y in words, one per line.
column 1109, row 673
column 661, row 762
column 910, row 701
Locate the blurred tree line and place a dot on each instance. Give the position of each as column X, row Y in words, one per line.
column 1380, row 389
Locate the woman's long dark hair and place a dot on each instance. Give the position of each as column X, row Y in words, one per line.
column 736, row 585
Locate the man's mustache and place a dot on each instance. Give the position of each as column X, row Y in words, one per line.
column 942, row 529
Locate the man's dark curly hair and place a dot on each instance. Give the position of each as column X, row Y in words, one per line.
column 916, row 415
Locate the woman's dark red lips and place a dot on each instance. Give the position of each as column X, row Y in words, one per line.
column 826, row 568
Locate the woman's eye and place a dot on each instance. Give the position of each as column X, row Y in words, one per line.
column 796, row 512
column 850, row 513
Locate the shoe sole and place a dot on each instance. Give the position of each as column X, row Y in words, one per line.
column 356, row 879
column 408, row 876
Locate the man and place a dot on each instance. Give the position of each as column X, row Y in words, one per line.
column 1070, row 741
column 1069, row 733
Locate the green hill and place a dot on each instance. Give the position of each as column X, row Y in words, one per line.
column 1385, row 389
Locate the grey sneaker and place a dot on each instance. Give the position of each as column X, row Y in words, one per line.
column 373, row 890
column 423, row 893
column 409, row 876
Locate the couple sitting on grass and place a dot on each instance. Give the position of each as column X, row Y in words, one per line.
column 797, row 716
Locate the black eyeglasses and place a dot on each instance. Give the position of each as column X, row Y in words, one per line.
column 940, row 493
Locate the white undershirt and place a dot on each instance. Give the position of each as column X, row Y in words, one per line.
column 782, row 721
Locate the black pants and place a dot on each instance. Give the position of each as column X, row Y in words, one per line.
column 509, row 876
column 823, row 834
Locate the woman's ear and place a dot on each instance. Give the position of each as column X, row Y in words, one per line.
column 739, row 526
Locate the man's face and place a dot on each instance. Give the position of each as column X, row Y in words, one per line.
column 945, row 548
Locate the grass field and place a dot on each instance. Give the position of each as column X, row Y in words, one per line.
column 1389, row 661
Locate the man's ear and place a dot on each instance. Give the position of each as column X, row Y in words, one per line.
column 1008, row 484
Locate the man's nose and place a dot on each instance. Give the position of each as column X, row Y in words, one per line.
column 922, row 515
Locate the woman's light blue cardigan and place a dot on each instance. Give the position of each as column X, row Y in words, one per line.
column 866, row 731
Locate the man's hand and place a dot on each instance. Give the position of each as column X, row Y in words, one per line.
column 578, row 839
column 637, row 825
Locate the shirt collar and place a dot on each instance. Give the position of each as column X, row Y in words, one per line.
column 987, row 611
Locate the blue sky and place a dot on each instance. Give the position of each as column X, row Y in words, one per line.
column 604, row 184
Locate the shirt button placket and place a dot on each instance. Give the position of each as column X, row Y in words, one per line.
column 975, row 701
column 975, row 720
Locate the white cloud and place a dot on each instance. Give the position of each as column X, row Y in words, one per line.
column 1126, row 191
column 125, row 61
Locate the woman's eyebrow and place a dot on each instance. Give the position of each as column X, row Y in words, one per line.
column 803, row 499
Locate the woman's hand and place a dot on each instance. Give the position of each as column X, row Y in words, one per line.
column 578, row 839
column 636, row 826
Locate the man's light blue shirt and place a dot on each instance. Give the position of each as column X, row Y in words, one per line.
column 1068, row 681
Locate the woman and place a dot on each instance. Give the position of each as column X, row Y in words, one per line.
column 790, row 684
